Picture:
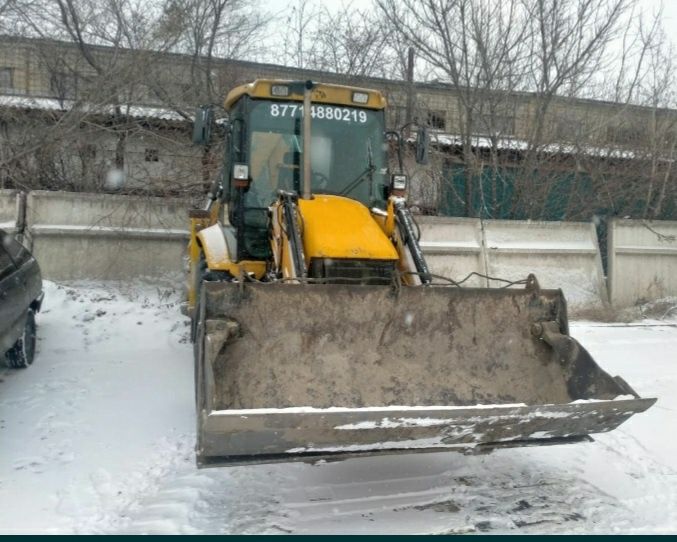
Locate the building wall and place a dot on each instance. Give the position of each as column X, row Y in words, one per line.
column 80, row 154
column 38, row 65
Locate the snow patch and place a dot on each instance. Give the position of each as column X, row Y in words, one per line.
column 436, row 442
column 387, row 423
column 97, row 437
column 313, row 410
column 617, row 398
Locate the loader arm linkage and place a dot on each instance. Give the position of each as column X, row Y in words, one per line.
column 405, row 224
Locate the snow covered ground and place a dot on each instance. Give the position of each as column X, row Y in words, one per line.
column 97, row 437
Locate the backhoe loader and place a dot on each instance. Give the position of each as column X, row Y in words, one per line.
column 320, row 332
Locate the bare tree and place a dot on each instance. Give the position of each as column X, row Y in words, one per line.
column 351, row 41
column 296, row 40
column 111, row 23
column 4, row 7
column 649, row 134
column 210, row 29
column 569, row 47
column 117, row 61
column 95, row 80
column 348, row 40
column 621, row 159
column 657, row 91
column 478, row 48
column 514, row 68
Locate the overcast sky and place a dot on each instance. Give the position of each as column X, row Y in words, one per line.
column 647, row 7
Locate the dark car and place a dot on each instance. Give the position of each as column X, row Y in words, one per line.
column 20, row 298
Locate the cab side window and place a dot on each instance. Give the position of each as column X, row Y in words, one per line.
column 16, row 250
column 6, row 264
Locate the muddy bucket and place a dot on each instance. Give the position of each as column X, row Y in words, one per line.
column 290, row 372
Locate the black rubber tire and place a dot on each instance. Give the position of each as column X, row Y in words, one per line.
column 22, row 354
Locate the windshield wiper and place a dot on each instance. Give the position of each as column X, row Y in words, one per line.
column 370, row 170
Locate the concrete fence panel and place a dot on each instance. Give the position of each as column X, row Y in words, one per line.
column 642, row 261
column 11, row 210
column 102, row 236
column 453, row 247
column 561, row 254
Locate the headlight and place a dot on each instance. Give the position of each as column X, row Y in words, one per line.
column 399, row 182
column 241, row 172
column 279, row 90
column 360, row 97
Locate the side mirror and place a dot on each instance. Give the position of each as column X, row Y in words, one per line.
column 202, row 128
column 422, row 141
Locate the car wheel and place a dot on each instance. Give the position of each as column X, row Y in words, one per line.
column 22, row 353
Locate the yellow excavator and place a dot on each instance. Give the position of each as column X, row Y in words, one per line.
column 320, row 332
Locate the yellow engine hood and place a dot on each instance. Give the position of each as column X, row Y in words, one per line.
column 342, row 228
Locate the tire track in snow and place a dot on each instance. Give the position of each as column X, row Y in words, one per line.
column 440, row 493
column 509, row 491
column 184, row 500
column 496, row 493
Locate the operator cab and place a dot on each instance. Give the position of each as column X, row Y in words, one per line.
column 348, row 154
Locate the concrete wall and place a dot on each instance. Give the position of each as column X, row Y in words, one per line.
column 99, row 236
column 453, row 247
column 561, row 254
column 642, row 261
column 11, row 210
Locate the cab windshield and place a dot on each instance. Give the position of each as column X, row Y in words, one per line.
column 347, row 152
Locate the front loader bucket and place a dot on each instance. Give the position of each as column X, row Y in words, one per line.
column 306, row 371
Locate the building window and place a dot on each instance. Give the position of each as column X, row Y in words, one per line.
column 6, row 78
column 625, row 135
column 152, row 155
column 436, row 120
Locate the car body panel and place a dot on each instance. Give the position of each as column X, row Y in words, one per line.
column 20, row 289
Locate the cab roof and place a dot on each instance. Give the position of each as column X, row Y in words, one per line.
column 322, row 93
